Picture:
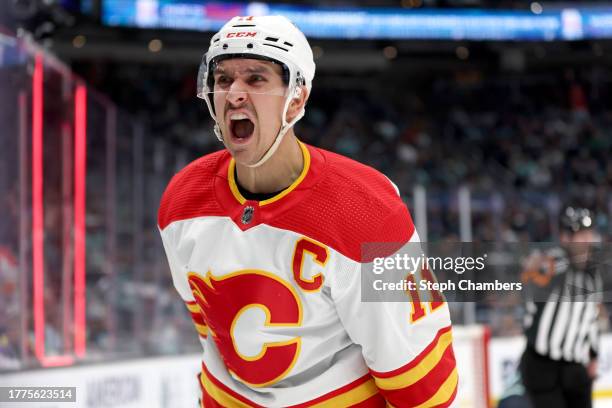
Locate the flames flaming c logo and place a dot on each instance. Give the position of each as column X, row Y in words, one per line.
column 223, row 300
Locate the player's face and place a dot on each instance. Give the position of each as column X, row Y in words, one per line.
column 249, row 97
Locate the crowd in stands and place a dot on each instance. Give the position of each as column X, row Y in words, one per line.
column 524, row 146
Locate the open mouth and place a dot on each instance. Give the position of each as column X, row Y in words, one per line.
column 241, row 128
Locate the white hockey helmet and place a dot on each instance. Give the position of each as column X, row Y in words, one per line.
column 272, row 38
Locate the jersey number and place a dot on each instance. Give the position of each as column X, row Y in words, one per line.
column 418, row 309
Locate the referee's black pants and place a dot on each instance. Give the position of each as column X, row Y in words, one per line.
column 555, row 384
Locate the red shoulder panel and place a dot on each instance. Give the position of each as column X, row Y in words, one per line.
column 341, row 203
column 190, row 193
column 351, row 205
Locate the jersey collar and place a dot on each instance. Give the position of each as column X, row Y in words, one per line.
column 266, row 211
column 239, row 197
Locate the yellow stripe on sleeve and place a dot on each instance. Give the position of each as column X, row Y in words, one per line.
column 444, row 392
column 420, row 370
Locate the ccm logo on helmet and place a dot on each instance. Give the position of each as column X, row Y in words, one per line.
column 241, row 34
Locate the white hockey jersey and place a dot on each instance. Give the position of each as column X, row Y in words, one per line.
column 273, row 287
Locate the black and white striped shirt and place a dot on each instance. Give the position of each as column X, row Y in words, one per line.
column 565, row 326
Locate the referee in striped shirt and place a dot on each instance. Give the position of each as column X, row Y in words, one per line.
column 560, row 361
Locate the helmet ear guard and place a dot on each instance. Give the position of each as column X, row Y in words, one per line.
column 297, row 93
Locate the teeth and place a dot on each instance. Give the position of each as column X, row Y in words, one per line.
column 238, row 116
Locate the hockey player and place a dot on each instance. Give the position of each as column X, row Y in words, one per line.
column 264, row 244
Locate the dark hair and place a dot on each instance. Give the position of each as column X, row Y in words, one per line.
column 285, row 74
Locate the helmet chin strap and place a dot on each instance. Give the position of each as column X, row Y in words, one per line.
column 217, row 130
column 281, row 133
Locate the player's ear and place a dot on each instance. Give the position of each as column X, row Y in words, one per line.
column 298, row 101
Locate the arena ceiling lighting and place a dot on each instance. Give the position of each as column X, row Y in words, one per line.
column 538, row 24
